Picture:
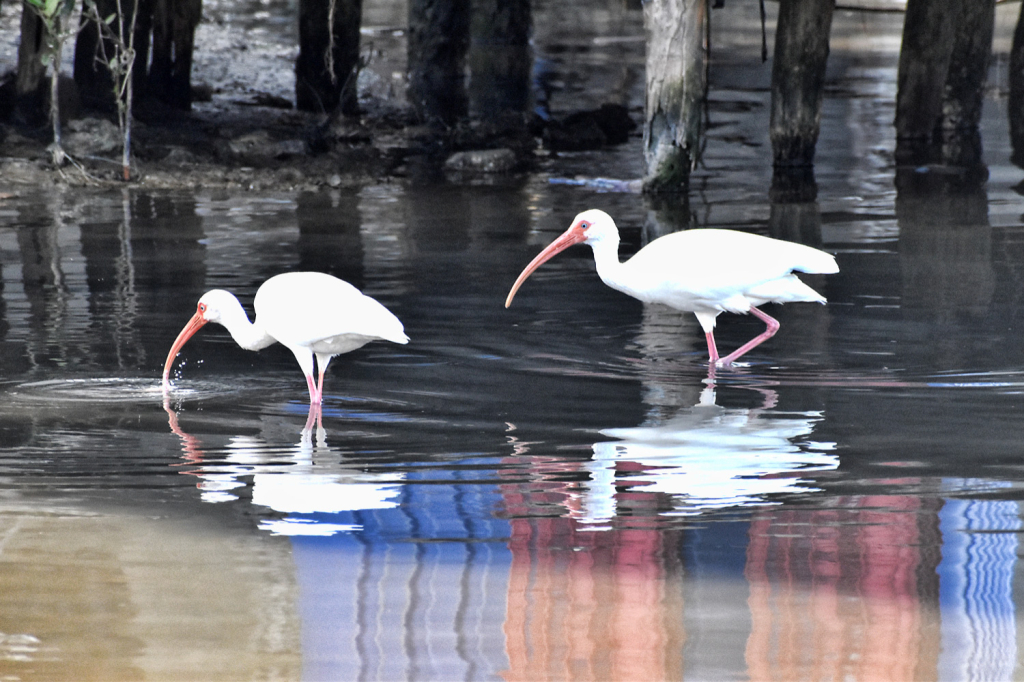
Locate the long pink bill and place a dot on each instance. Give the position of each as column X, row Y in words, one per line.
column 573, row 235
column 191, row 328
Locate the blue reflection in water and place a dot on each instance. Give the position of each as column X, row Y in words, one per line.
column 416, row 592
column 979, row 556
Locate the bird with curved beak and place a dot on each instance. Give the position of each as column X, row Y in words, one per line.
column 702, row 271
column 310, row 313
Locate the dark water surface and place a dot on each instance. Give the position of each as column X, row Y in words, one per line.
column 552, row 491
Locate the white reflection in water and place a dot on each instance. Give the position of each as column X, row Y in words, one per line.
column 289, row 481
column 706, row 457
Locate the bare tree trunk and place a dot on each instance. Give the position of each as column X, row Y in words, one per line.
column 1015, row 104
column 170, row 74
column 143, row 40
column 968, row 65
column 92, row 73
column 328, row 63
column 798, row 79
column 499, row 57
column 677, row 52
column 924, row 63
column 57, row 146
column 30, row 65
column 965, row 83
column 92, row 76
column 437, row 44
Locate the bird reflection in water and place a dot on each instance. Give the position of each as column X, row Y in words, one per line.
column 705, row 457
column 691, row 453
column 287, row 480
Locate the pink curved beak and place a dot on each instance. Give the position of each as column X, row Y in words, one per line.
column 191, row 328
column 574, row 235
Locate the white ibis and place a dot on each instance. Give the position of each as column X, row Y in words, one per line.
column 703, row 271
column 310, row 313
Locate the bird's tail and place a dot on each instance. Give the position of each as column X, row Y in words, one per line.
column 788, row 289
column 817, row 262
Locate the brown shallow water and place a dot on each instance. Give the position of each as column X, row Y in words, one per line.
column 547, row 492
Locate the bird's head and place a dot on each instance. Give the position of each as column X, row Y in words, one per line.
column 590, row 227
column 214, row 306
column 593, row 226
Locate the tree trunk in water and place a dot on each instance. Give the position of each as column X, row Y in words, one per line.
column 924, row 63
column 798, row 79
column 170, row 74
column 677, row 51
column 1015, row 104
column 965, row 83
column 968, row 65
column 328, row 63
column 499, row 57
column 437, row 44
column 795, row 215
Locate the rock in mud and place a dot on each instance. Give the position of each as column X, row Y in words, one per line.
column 91, row 137
column 483, row 161
column 259, row 146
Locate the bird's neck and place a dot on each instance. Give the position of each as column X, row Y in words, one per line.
column 246, row 334
column 609, row 269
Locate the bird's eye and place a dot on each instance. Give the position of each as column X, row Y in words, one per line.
column 202, row 307
column 584, row 225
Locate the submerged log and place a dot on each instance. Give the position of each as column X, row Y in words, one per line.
column 437, row 44
column 327, row 67
column 798, row 79
column 500, row 62
column 677, row 47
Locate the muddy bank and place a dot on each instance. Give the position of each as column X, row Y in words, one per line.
column 257, row 147
column 244, row 132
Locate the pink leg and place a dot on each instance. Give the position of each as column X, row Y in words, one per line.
column 313, row 419
column 712, row 348
column 314, row 393
column 320, row 386
column 773, row 326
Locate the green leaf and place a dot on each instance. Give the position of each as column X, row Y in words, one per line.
column 109, row 20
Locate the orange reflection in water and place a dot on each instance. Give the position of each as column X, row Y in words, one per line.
column 838, row 594
column 592, row 605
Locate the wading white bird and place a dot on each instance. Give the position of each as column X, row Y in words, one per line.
column 702, row 271
column 310, row 313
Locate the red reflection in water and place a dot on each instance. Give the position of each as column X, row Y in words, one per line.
column 843, row 593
